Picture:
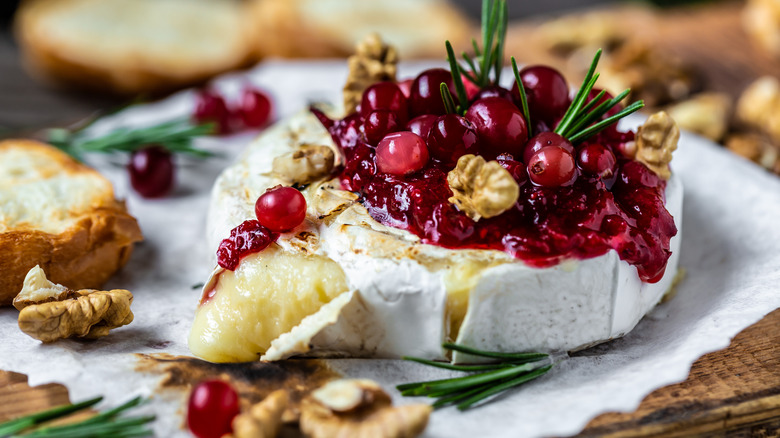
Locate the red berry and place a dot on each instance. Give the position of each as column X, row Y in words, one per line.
column 471, row 88
column 212, row 407
column 378, row 124
column 151, row 171
column 281, row 209
column 494, row 91
column 451, row 137
column 597, row 160
column 387, row 96
column 255, row 108
column 500, row 125
column 211, row 107
column 406, row 86
column 547, row 92
column 421, row 125
column 426, row 97
column 552, row 166
column 545, row 139
column 401, row 153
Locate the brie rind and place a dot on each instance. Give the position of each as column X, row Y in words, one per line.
column 404, row 297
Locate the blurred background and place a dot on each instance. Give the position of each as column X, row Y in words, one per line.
column 713, row 64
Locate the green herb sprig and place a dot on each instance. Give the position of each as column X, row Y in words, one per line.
column 577, row 123
column 509, row 370
column 176, row 136
column 107, row 424
column 485, row 67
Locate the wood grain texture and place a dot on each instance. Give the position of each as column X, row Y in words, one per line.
column 17, row 398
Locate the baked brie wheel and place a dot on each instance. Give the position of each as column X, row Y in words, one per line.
column 344, row 284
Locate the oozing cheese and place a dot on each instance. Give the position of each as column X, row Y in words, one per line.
column 405, row 297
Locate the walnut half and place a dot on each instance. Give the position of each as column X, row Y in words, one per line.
column 480, row 188
column 360, row 408
column 49, row 311
column 655, row 142
column 305, row 165
column 374, row 61
column 263, row 419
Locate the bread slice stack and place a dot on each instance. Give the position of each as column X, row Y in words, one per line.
column 61, row 215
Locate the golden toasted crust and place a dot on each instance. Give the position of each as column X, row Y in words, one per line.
column 80, row 241
column 77, row 43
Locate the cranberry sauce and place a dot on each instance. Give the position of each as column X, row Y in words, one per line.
column 247, row 238
column 584, row 219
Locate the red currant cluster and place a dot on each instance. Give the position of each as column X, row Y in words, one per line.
column 278, row 210
column 253, row 110
column 409, row 125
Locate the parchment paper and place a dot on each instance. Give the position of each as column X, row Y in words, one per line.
column 731, row 235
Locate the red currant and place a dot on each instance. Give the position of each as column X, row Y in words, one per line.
column 545, row 139
column 421, row 125
column 425, row 96
column 151, row 171
column 255, row 108
column 378, row 124
column 387, row 96
column 500, row 125
column 451, row 137
column 597, row 160
column 281, row 209
column 401, row 153
column 547, row 92
column 211, row 107
column 552, row 166
column 213, row 405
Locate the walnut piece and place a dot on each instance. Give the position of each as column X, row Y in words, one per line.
column 49, row 312
column 655, row 142
column 480, row 188
column 305, row 165
column 761, row 20
column 706, row 114
column 327, row 199
column 263, row 419
column 755, row 147
column 374, row 61
column 759, row 106
column 360, row 408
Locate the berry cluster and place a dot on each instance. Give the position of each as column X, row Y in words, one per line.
column 251, row 111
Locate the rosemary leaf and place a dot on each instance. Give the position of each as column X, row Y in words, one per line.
column 586, row 119
column 523, row 97
column 598, row 127
column 583, row 91
column 461, row 383
column 448, row 366
column 446, row 96
column 19, row 424
column 469, row 402
column 495, row 354
column 456, row 79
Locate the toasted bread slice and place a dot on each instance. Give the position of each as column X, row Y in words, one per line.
column 61, row 215
column 331, row 28
column 133, row 46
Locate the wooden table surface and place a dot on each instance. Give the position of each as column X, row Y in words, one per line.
column 733, row 392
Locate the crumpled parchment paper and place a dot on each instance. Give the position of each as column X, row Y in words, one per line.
column 730, row 248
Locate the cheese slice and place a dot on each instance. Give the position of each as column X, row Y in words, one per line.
column 403, row 297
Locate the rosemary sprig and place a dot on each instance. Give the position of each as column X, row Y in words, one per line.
column 523, row 97
column 103, row 425
column 577, row 123
column 176, row 136
column 511, row 370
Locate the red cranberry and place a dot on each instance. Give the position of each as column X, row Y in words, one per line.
column 552, row 166
column 515, row 168
column 247, row 238
column 255, row 108
column 547, row 92
column 451, row 137
column 401, row 153
column 597, row 160
column 500, row 125
column 426, row 97
column 378, row 124
column 494, row 91
column 471, row 88
column 406, row 86
column 545, row 139
column 213, row 405
column 281, row 209
column 387, row 96
column 211, row 107
column 421, row 125
column 151, row 171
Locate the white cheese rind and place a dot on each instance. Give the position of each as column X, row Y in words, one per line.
column 398, row 295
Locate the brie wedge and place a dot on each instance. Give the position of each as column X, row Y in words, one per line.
column 343, row 284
